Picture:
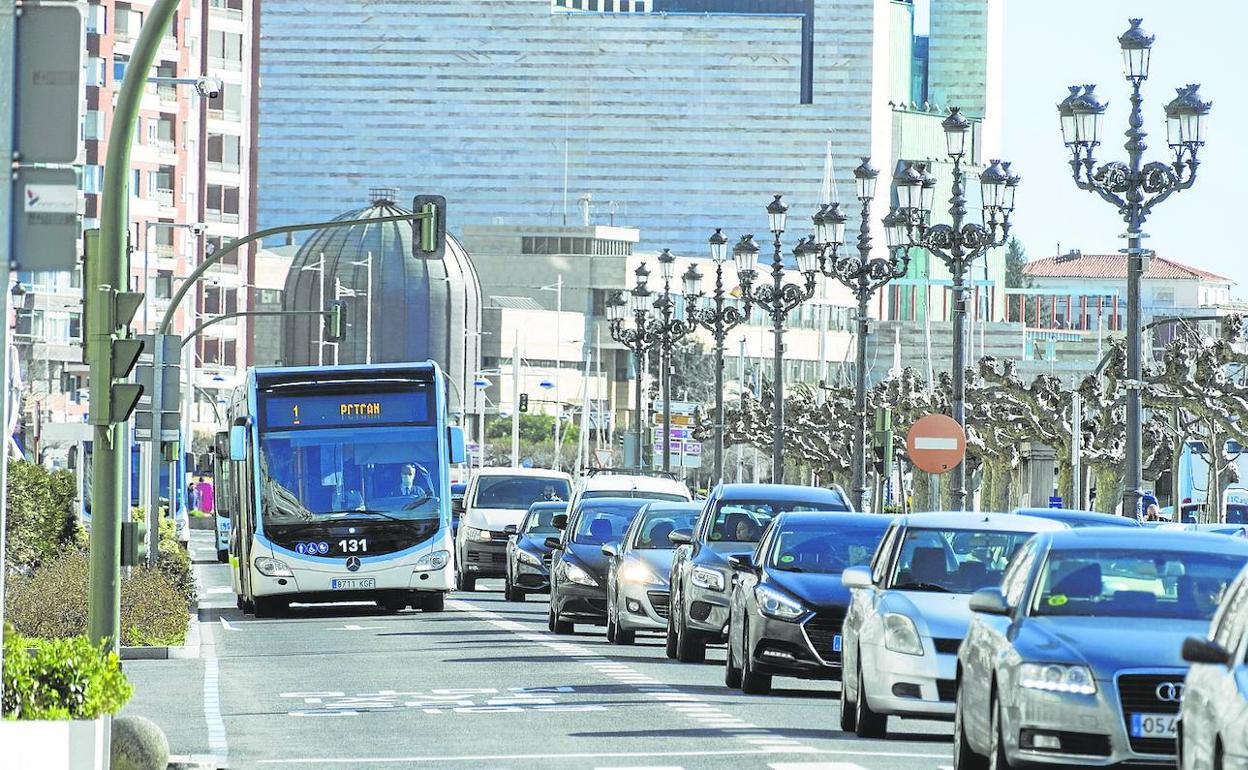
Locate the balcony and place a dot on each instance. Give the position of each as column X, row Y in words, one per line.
column 166, row 147
column 163, row 198
column 216, row 63
column 168, row 94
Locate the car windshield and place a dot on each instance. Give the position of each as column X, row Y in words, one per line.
column 518, row 492
column 1131, row 583
column 538, row 521
column 826, row 549
column 955, row 561
column 656, row 528
column 640, row 494
column 743, row 521
column 334, row 473
column 604, row 523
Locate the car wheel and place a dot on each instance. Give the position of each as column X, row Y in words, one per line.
column 466, row 583
column 997, row 760
column 435, row 602
column 555, row 625
column 511, row 593
column 610, row 629
column 752, row 682
column 687, row 649
column 669, row 646
column 964, row 757
column 249, row 607
column 391, row 605
column 867, row 723
column 848, row 712
column 732, row 673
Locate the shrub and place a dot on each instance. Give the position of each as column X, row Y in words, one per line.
column 51, row 602
column 60, row 679
column 41, row 514
column 175, row 562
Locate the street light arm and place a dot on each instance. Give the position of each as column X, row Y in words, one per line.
column 245, row 314
column 226, row 249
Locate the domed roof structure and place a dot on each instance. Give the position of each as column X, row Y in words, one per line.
column 409, row 309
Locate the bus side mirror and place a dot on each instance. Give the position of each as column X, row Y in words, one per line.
column 459, row 454
column 238, row 442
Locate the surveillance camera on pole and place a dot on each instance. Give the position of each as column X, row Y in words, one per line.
column 208, row 87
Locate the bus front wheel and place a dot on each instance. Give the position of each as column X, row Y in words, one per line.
column 435, row 602
column 268, row 606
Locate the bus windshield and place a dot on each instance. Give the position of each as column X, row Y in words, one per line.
column 324, row 474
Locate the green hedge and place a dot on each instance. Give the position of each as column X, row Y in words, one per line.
column 41, row 514
column 60, row 679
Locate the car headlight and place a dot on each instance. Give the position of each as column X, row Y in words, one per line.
column 901, row 635
column 636, row 572
column 272, row 567
column 432, row 561
column 575, row 574
column 774, row 604
column 528, row 558
column 704, row 577
column 1057, row 677
column 478, row 535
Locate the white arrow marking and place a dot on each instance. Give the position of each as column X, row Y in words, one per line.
column 226, row 625
column 353, row 627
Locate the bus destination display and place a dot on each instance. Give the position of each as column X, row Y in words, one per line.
column 344, row 410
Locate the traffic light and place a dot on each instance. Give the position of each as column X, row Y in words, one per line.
column 334, row 321
column 133, row 542
column 883, row 443
column 524, row 402
column 429, row 232
column 123, row 350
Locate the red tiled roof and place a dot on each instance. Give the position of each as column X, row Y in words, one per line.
column 1111, row 266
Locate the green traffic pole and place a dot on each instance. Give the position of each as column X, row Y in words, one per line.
column 109, row 266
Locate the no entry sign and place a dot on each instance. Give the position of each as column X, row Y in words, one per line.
column 936, row 443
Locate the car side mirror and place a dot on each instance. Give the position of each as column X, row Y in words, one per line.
column 457, row 506
column 857, row 577
column 681, row 537
column 559, row 521
column 554, row 543
column 1197, row 650
column 989, row 601
column 742, row 562
column 511, row 530
column 611, row 549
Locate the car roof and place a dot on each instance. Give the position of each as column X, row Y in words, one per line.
column 664, row 506
column 546, row 473
column 998, row 522
column 547, row 505
column 779, row 493
column 611, row 502
column 831, row 519
column 623, row 482
column 1147, row 539
column 1071, row 514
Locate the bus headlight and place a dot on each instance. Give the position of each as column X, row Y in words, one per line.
column 272, row 567
column 432, row 561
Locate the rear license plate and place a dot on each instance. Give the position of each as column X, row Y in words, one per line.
column 351, row 584
column 836, row 643
column 1154, row 725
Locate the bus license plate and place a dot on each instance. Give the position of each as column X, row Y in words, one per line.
column 1154, row 725
column 836, row 643
column 352, row 584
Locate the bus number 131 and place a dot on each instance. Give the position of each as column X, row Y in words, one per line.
column 353, row 545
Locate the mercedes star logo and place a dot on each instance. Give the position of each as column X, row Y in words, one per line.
column 353, row 564
column 1169, row 692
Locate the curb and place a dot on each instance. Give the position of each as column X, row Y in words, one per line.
column 186, row 651
column 194, row 762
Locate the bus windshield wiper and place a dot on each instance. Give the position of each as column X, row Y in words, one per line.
column 341, row 516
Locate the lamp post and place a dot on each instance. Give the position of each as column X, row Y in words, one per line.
column 665, row 331
column 863, row 276
column 634, row 338
column 778, row 299
column 1134, row 188
column 957, row 244
column 719, row 318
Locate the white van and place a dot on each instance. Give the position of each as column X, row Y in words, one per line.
column 494, row 499
column 617, row 482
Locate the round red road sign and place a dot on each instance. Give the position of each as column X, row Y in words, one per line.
column 936, row 443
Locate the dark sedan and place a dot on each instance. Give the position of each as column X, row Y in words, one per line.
column 788, row 603
column 731, row 523
column 528, row 556
column 637, row 591
column 578, row 572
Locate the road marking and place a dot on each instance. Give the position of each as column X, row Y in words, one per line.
column 815, row 766
column 226, row 625
column 354, row 627
column 217, row 743
column 591, row 755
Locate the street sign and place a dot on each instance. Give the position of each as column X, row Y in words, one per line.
column 171, row 394
column 1055, row 502
column 50, row 44
column 936, row 443
column 602, row 458
column 45, row 219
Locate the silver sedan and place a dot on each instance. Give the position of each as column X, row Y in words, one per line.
column 1075, row 660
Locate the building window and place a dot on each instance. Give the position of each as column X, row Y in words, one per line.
column 270, row 296
column 92, row 179
column 97, row 19
column 129, row 22
column 164, row 284
column 226, row 48
column 225, row 151
column 229, row 352
column 92, row 124
column 120, row 61
column 228, row 103
column 95, row 71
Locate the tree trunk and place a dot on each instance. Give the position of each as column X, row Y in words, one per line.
column 1065, row 482
column 1109, row 483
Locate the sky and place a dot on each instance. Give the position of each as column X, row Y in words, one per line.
column 1050, row 44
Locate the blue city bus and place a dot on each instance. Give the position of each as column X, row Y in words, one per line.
column 221, row 501
column 81, row 461
column 338, row 487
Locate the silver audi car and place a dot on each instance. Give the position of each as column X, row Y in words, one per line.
column 1075, row 659
column 908, row 612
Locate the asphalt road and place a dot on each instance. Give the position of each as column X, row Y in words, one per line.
column 481, row 685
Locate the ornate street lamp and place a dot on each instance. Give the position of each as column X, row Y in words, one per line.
column 664, row 332
column 1134, row 188
column 864, row 276
column 718, row 317
column 959, row 243
column 778, row 299
column 635, row 339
